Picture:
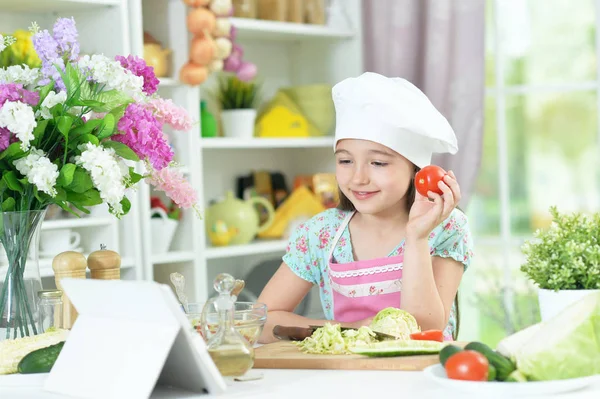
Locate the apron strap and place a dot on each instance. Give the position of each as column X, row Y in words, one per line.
column 338, row 234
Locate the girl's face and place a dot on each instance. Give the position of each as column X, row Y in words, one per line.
column 373, row 177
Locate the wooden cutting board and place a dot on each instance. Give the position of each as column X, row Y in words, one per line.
column 285, row 355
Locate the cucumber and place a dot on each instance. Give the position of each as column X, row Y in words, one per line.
column 491, row 373
column 41, row 360
column 503, row 365
column 399, row 348
column 448, row 351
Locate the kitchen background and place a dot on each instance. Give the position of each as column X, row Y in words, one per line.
column 518, row 79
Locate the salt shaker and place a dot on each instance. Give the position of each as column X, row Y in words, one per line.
column 50, row 309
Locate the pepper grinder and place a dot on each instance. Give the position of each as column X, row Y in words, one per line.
column 104, row 264
column 68, row 264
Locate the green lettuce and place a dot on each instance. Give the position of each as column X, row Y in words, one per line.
column 396, row 322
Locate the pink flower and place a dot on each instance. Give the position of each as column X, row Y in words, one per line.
column 166, row 112
column 301, row 245
column 138, row 67
column 142, row 132
column 323, row 238
column 172, row 182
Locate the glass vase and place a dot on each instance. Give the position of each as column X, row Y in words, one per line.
column 20, row 273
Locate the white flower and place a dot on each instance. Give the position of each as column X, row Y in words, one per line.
column 106, row 71
column 2, row 45
column 18, row 118
column 19, row 74
column 106, row 173
column 39, row 170
column 50, row 101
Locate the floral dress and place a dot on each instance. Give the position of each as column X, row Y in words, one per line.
column 309, row 246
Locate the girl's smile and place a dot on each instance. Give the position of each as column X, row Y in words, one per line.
column 363, row 195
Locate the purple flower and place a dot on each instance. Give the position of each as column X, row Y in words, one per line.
column 65, row 35
column 54, row 50
column 138, row 67
column 4, row 138
column 141, row 132
column 16, row 92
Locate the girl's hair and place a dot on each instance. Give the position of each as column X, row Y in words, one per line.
column 346, row 205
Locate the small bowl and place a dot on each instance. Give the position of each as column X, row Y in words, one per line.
column 249, row 319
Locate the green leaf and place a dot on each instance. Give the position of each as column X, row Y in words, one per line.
column 44, row 92
column 112, row 99
column 13, row 151
column 87, row 127
column 8, row 205
column 84, row 138
column 81, row 182
column 134, row 177
column 66, row 174
column 126, row 205
column 122, row 150
column 12, row 181
column 89, row 103
column 64, row 124
column 108, row 127
column 72, row 81
column 61, row 194
column 119, row 111
column 38, row 132
column 89, row 198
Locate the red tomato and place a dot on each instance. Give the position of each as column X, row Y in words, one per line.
column 427, row 179
column 467, row 365
column 429, row 335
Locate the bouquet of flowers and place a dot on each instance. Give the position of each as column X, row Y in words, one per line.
column 77, row 132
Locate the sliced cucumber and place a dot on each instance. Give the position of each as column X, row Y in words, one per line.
column 399, row 348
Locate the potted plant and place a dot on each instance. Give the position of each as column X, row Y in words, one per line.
column 564, row 260
column 237, row 100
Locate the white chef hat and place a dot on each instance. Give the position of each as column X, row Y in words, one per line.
column 392, row 112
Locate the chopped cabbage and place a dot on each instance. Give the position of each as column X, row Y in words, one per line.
column 330, row 339
column 396, row 322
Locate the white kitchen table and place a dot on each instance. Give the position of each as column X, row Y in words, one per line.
column 302, row 384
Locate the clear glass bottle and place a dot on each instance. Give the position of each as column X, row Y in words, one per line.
column 50, row 309
column 232, row 353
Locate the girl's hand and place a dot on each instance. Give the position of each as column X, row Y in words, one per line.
column 425, row 214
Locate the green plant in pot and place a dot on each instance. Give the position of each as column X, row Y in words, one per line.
column 564, row 260
column 237, row 100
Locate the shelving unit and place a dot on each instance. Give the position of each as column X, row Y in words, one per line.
column 232, row 143
column 286, row 54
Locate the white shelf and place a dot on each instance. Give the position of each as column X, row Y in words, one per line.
column 74, row 223
column 173, row 257
column 32, row 6
column 292, row 142
column 169, row 82
column 46, row 265
column 273, row 30
column 254, row 248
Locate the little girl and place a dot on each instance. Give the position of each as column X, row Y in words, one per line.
column 385, row 245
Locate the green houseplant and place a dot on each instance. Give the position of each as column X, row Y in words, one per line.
column 564, row 260
column 237, row 100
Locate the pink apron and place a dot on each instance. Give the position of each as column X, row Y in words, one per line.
column 363, row 288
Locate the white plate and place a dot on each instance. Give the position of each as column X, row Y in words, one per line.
column 437, row 374
column 53, row 254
